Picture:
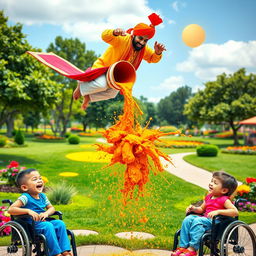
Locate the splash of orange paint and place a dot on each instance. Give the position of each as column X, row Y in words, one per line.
column 133, row 145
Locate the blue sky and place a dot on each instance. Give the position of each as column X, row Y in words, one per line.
column 229, row 25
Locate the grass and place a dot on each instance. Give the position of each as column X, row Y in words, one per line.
column 98, row 203
column 241, row 166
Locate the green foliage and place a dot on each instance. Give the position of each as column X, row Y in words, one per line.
column 25, row 84
column 3, row 141
column 61, row 193
column 75, row 52
column 228, row 99
column 168, row 128
column 171, row 107
column 73, row 139
column 19, row 137
column 207, row 150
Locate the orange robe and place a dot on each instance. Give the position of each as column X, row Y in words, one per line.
column 121, row 49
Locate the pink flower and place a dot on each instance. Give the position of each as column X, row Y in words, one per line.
column 4, row 170
column 23, row 168
column 13, row 174
column 15, row 170
column 13, row 164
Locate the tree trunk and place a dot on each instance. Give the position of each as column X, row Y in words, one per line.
column 235, row 129
column 10, row 125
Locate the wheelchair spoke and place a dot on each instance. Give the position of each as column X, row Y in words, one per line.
column 238, row 239
column 13, row 240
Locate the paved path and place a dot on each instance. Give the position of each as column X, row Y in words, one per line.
column 183, row 170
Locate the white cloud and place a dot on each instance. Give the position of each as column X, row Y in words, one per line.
column 84, row 19
column 177, row 5
column 170, row 84
column 209, row 60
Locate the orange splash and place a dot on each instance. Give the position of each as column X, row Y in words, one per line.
column 133, row 145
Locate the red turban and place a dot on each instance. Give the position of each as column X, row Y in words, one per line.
column 143, row 29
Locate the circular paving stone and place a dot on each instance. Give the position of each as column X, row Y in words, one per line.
column 84, row 232
column 134, row 234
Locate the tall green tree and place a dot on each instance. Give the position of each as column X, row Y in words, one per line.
column 150, row 111
column 75, row 52
column 24, row 83
column 230, row 99
column 171, row 108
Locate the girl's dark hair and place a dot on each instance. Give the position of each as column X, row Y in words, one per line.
column 227, row 180
column 20, row 178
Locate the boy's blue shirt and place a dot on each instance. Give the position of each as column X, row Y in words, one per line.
column 36, row 205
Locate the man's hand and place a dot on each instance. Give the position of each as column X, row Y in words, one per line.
column 119, row 32
column 159, row 48
column 34, row 215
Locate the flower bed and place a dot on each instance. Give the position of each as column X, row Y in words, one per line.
column 246, row 150
column 247, row 192
column 228, row 134
column 46, row 137
column 178, row 143
column 10, row 172
column 4, row 217
column 87, row 134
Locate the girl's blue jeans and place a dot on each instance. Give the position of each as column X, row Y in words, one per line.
column 193, row 227
column 56, row 236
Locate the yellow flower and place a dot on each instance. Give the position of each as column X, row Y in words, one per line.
column 68, row 174
column 243, row 189
column 45, row 180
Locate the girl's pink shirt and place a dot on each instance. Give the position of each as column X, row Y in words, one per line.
column 214, row 204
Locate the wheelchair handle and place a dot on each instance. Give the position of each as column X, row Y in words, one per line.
column 7, row 201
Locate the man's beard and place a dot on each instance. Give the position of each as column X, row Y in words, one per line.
column 135, row 45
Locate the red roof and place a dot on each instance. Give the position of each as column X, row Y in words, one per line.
column 249, row 121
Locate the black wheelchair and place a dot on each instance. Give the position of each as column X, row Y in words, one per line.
column 23, row 241
column 227, row 237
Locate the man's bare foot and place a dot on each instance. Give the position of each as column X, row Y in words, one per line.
column 77, row 93
column 85, row 103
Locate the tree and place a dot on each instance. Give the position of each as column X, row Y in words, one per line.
column 25, row 84
column 75, row 52
column 228, row 99
column 171, row 108
column 150, row 111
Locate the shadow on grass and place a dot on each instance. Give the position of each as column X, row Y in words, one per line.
column 5, row 159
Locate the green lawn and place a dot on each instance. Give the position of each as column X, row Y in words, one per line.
column 98, row 204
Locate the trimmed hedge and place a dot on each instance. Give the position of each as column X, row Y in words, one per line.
column 73, row 139
column 207, row 150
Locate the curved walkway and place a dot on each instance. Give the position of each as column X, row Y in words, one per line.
column 183, row 170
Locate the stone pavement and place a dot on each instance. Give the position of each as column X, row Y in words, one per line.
column 183, row 170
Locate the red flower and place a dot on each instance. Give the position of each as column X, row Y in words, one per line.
column 250, row 180
column 13, row 164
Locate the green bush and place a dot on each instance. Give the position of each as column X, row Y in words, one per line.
column 168, row 128
column 61, row 193
column 19, row 138
column 3, row 141
column 73, row 139
column 207, row 150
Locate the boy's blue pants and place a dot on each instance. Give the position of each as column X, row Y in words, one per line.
column 56, row 236
column 193, row 227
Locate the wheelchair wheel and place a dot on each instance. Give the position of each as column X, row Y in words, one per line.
column 238, row 239
column 16, row 243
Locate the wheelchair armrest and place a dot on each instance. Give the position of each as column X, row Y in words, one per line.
column 57, row 213
column 7, row 201
column 240, row 200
